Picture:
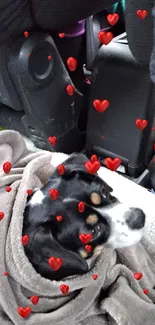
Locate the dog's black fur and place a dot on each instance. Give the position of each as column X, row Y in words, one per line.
column 48, row 237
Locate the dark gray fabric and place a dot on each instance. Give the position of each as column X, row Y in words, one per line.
column 152, row 61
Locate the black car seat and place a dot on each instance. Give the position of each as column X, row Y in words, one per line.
column 121, row 76
column 33, row 71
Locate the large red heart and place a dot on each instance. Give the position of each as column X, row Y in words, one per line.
column 61, row 169
column 1, row 215
column 34, row 300
column 142, row 13
column 92, row 168
column 112, row 164
column 24, row 312
column 52, row 140
column 53, row 193
column 70, row 90
column 138, row 275
column 55, row 263
column 105, row 37
column 64, row 288
column 112, row 19
column 25, row 240
column 88, row 248
column 85, row 238
column 81, row 206
column 7, row 167
column 141, row 124
column 72, row 63
column 101, row 106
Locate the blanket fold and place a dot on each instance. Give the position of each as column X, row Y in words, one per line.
column 119, row 295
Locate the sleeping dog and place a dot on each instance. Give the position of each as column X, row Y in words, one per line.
column 74, row 226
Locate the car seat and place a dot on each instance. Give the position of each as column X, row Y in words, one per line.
column 120, row 74
column 33, row 74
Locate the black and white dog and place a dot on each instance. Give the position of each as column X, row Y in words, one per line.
column 71, row 231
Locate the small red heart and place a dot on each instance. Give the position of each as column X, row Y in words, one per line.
column 105, row 37
column 49, row 57
column 113, row 19
column 72, row 63
column 102, row 136
column 64, row 289
column 8, row 189
column 61, row 35
column 141, row 124
column 7, row 167
column 28, row 54
column 61, row 169
column 85, row 238
column 25, row 240
column 88, row 248
column 93, row 158
column 34, row 300
column 95, row 276
column 26, row 34
column 112, row 164
column 59, row 218
column 29, row 192
column 138, row 275
column 101, row 106
column 55, row 263
column 81, row 206
column 145, row 291
column 142, row 13
column 53, row 193
column 70, row 90
column 1, row 215
column 24, row 312
column 5, row 273
column 92, row 168
column 153, row 129
column 52, row 140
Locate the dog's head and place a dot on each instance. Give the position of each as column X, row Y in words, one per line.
column 58, row 228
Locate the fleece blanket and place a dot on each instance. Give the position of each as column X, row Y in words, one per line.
column 117, row 290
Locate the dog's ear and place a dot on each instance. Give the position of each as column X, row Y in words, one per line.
column 43, row 246
column 75, row 163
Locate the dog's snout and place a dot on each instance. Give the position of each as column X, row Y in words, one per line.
column 136, row 219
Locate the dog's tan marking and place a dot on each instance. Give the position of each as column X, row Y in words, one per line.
column 98, row 250
column 95, row 198
column 92, row 219
column 83, row 253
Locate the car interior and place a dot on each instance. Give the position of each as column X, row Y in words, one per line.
column 38, row 60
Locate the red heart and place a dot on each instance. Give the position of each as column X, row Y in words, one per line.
column 93, row 158
column 72, row 63
column 88, row 248
column 34, row 300
column 112, row 19
column 52, row 140
column 70, row 90
column 1, row 215
column 26, row 34
column 141, row 124
column 95, row 276
column 92, row 168
column 53, row 193
column 55, row 263
column 64, row 288
column 81, row 206
column 142, row 13
column 49, row 57
column 5, row 273
column 61, row 169
column 28, row 54
column 101, row 106
column 7, row 167
column 29, row 192
column 112, row 164
column 25, row 240
column 85, row 238
column 105, row 37
column 61, row 35
column 59, row 218
column 138, row 275
column 8, row 189
column 24, row 312
column 145, row 291
column 153, row 129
